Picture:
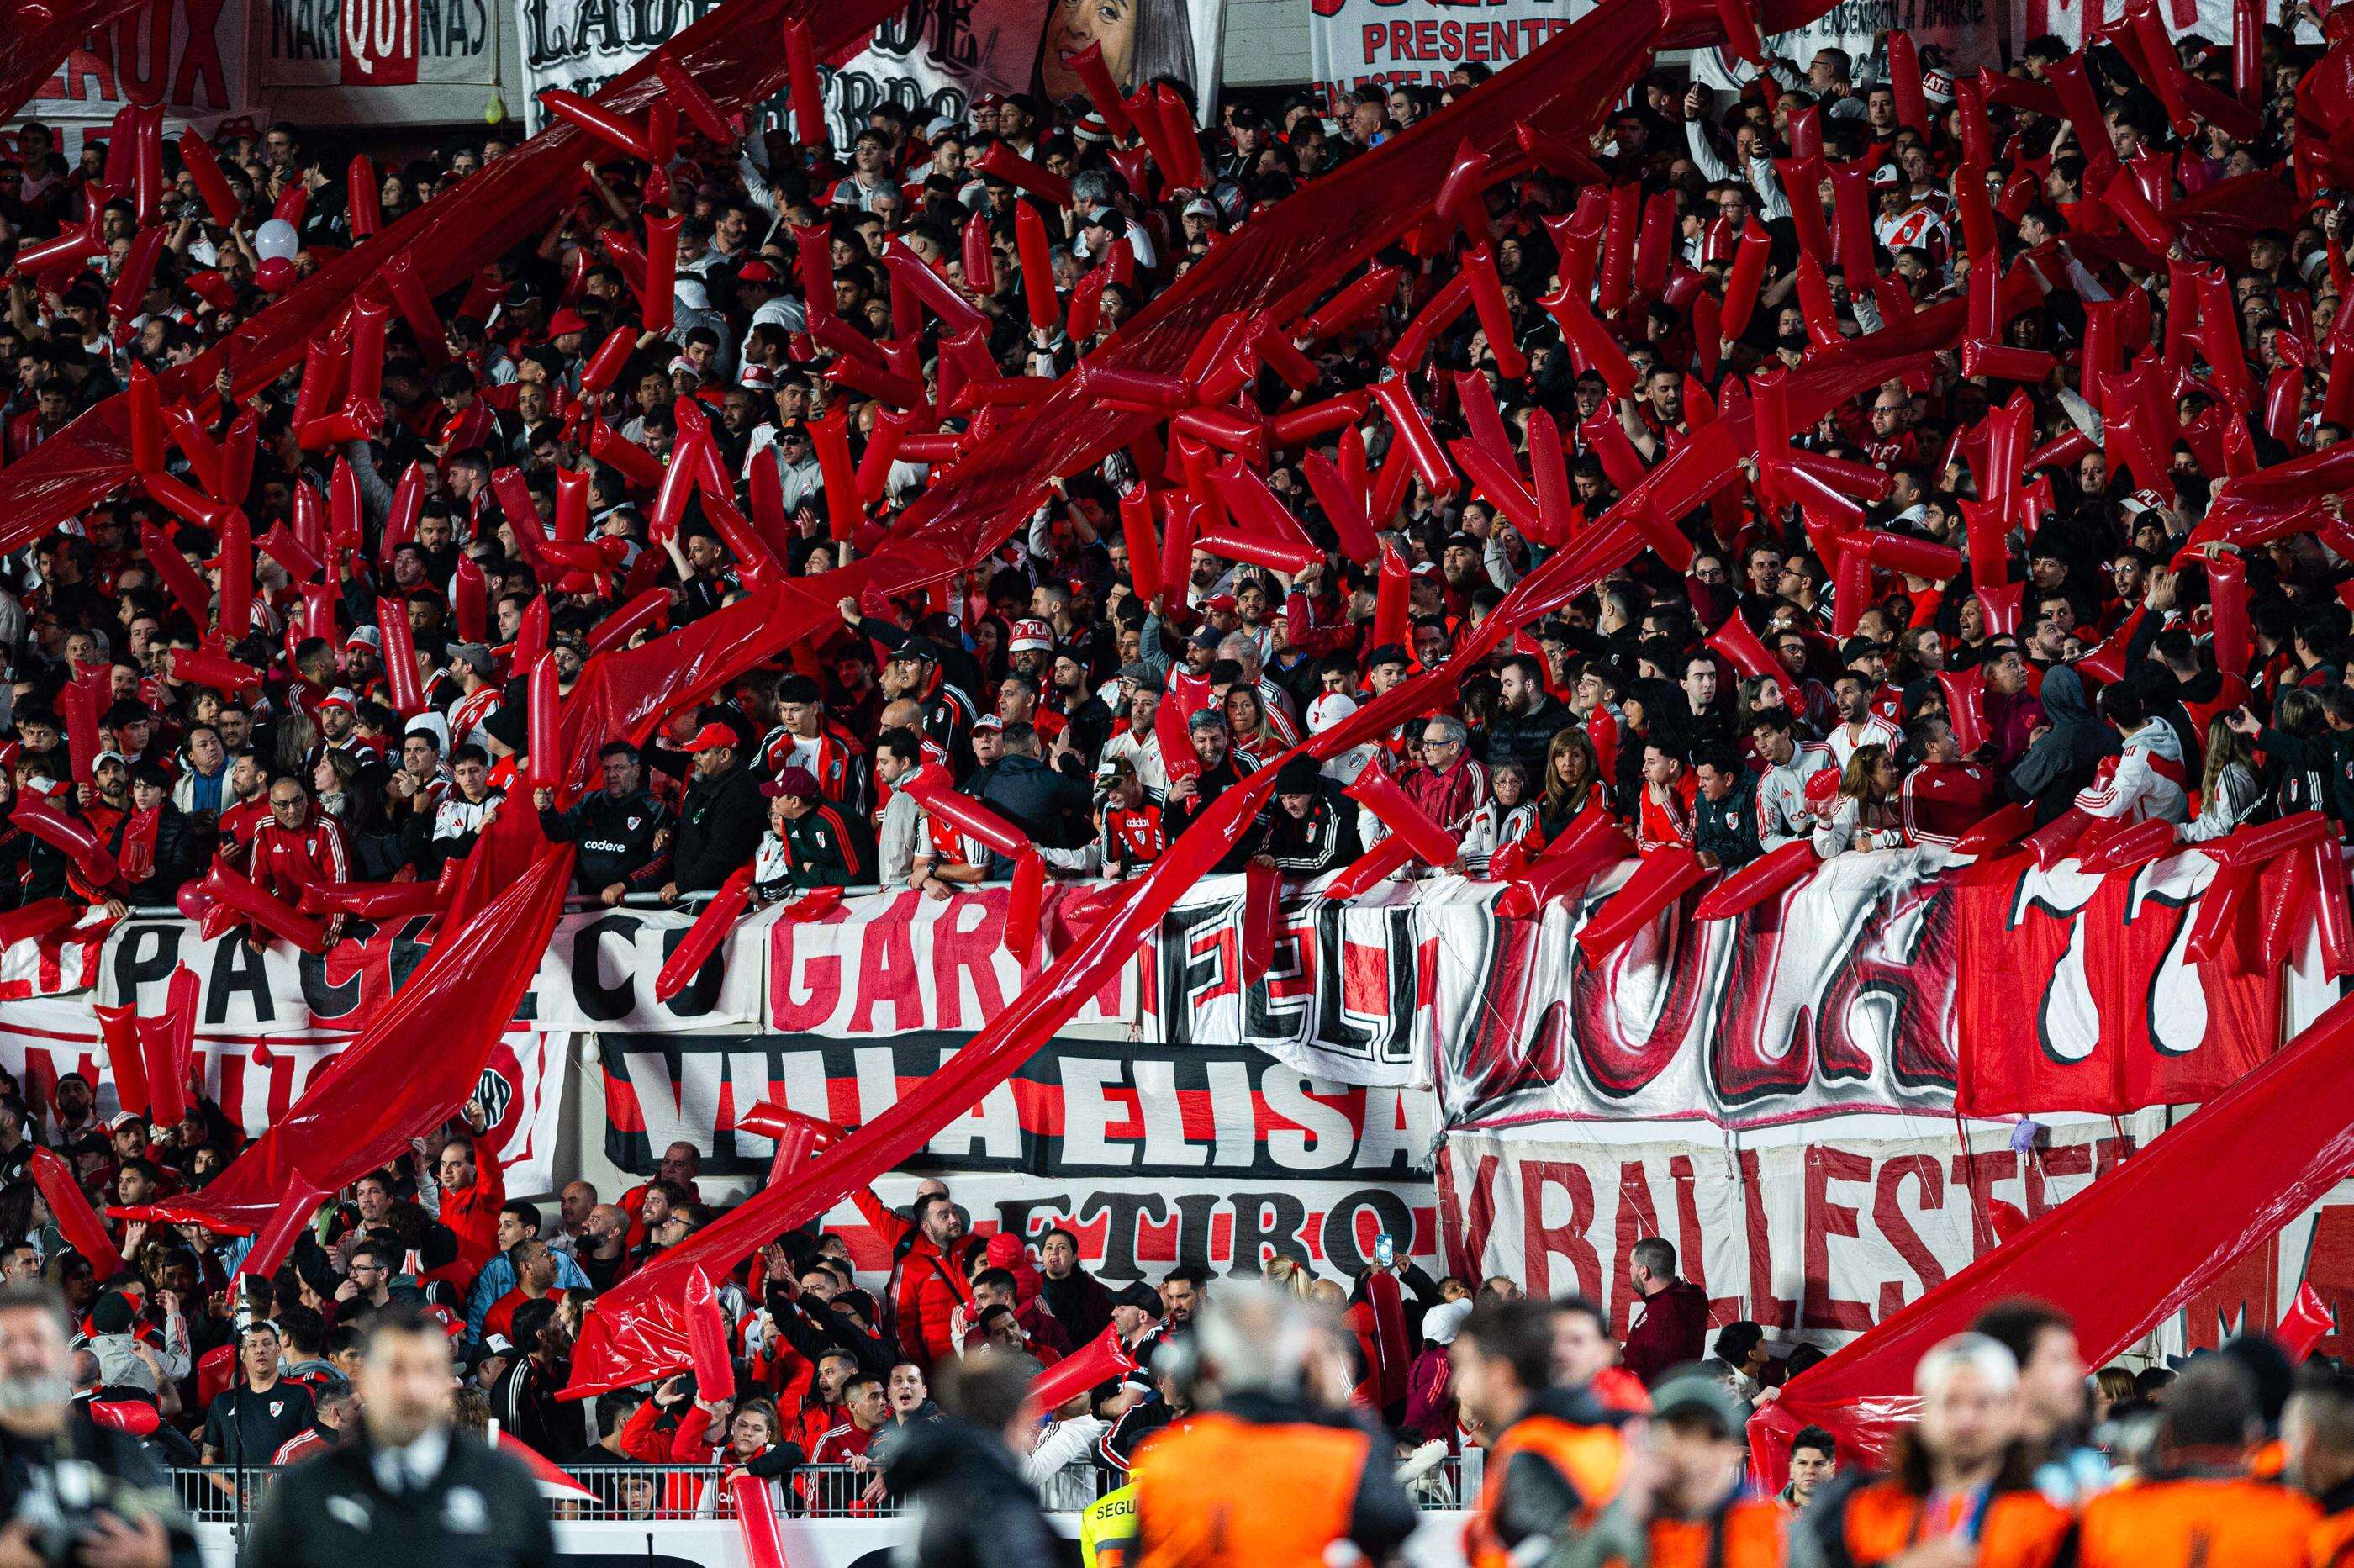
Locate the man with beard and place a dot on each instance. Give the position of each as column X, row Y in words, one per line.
column 1198, row 791
column 526, row 1404
column 926, row 1334
column 68, row 1487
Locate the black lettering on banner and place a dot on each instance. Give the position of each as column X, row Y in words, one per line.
column 146, row 954
column 1120, row 1236
column 598, row 1002
column 238, row 967
column 1194, row 1211
column 1013, row 1214
column 327, row 1000
column 1342, row 1253
column 1270, row 1221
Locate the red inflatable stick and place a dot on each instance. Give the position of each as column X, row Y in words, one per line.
column 1100, row 1359
column 274, row 1242
column 703, row 938
column 809, row 127
column 1002, row 161
column 616, row 130
column 70, row 834
column 233, row 890
column 2056, row 840
column 167, row 1046
column 2308, row 1322
column 1494, row 311
column 707, row 1342
column 1414, row 434
column 2129, row 848
column 1664, row 877
column 77, row 1221
column 546, row 765
column 1742, row 280
column 1590, row 845
column 1380, row 794
column 1765, row 877
column 119, row 1028
column 1025, row 903
column 2332, row 914
column 932, row 792
column 1741, row 647
column 1965, row 694
column 1376, row 287
column 379, row 901
column 204, row 173
column 1264, row 532
column 756, row 1521
column 1377, row 864
column 80, row 708
column 1037, row 270
column 1590, row 343
column 363, row 197
column 208, row 667
column 657, row 301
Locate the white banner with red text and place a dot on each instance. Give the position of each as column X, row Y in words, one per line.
column 1823, row 1232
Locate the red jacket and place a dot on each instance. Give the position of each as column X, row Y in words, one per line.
column 1673, row 1330
column 940, row 1289
column 472, row 1216
column 286, row 860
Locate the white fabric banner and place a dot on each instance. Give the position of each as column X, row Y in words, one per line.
column 1355, row 43
column 379, row 43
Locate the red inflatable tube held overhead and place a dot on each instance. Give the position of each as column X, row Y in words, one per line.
column 1664, row 877
column 966, row 814
column 274, row 1242
column 715, row 1372
column 77, row 1221
column 809, row 127
column 167, row 1046
column 119, row 1029
column 70, row 834
column 1100, row 1359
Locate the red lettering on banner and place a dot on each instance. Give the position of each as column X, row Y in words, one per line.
column 201, row 81
column 1888, row 1214
column 2329, row 1269
column 2244, row 1297
column 1767, row 1310
column 1467, row 1227
column 141, row 73
column 1426, row 39
column 1639, row 1217
column 1690, row 1250
column 93, row 63
column 1540, row 1241
column 1372, row 35
column 886, row 967
column 803, row 989
column 1977, row 1173
column 2048, row 1166
column 1824, row 1220
column 965, row 941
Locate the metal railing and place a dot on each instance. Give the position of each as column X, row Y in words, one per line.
column 651, row 1493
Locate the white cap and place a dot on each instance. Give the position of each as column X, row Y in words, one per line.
column 1329, row 709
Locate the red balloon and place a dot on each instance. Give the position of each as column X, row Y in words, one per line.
column 275, row 276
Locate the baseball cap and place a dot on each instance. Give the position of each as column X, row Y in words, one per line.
column 1695, row 1394
column 474, row 656
column 756, row 272
column 338, row 698
column 365, row 637
column 1140, row 1296
column 919, row 648
column 1300, row 776
column 1202, row 207
column 798, row 782
column 987, row 721
column 712, row 736
column 1030, row 635
column 1329, row 709
column 564, row 321
column 499, row 1345
column 1204, row 637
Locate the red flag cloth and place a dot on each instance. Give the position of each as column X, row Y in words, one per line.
column 362, row 1111
column 2121, row 1256
column 2117, row 1053
column 38, row 37
column 2306, row 1323
column 77, row 1221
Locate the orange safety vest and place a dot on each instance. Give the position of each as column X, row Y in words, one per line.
column 2332, row 1541
column 2014, row 1530
column 1748, row 1534
column 1216, row 1490
column 1593, row 1459
column 2222, row 1521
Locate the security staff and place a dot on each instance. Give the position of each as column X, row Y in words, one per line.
column 1259, row 1475
column 2199, row 1505
column 1555, row 1459
column 1962, row 1477
column 71, row 1491
column 1108, row 1530
column 1698, row 1518
column 412, row 1489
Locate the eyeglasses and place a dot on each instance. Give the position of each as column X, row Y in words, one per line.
column 1443, row 742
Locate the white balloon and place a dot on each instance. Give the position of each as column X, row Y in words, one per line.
column 277, row 237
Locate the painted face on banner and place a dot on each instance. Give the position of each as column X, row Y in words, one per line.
column 1071, row 26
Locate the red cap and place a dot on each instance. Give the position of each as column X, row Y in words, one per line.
column 566, row 321
column 711, row 736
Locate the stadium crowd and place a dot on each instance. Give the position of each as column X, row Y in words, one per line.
column 192, row 691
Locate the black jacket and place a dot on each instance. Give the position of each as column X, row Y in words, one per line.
column 1178, row 815
column 616, row 837
column 1324, row 839
column 1727, row 828
column 1526, row 737
column 1051, row 807
column 719, row 825
column 483, row 1510
column 973, row 1508
column 130, row 1485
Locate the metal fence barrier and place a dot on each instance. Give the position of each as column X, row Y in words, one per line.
column 650, row 1493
